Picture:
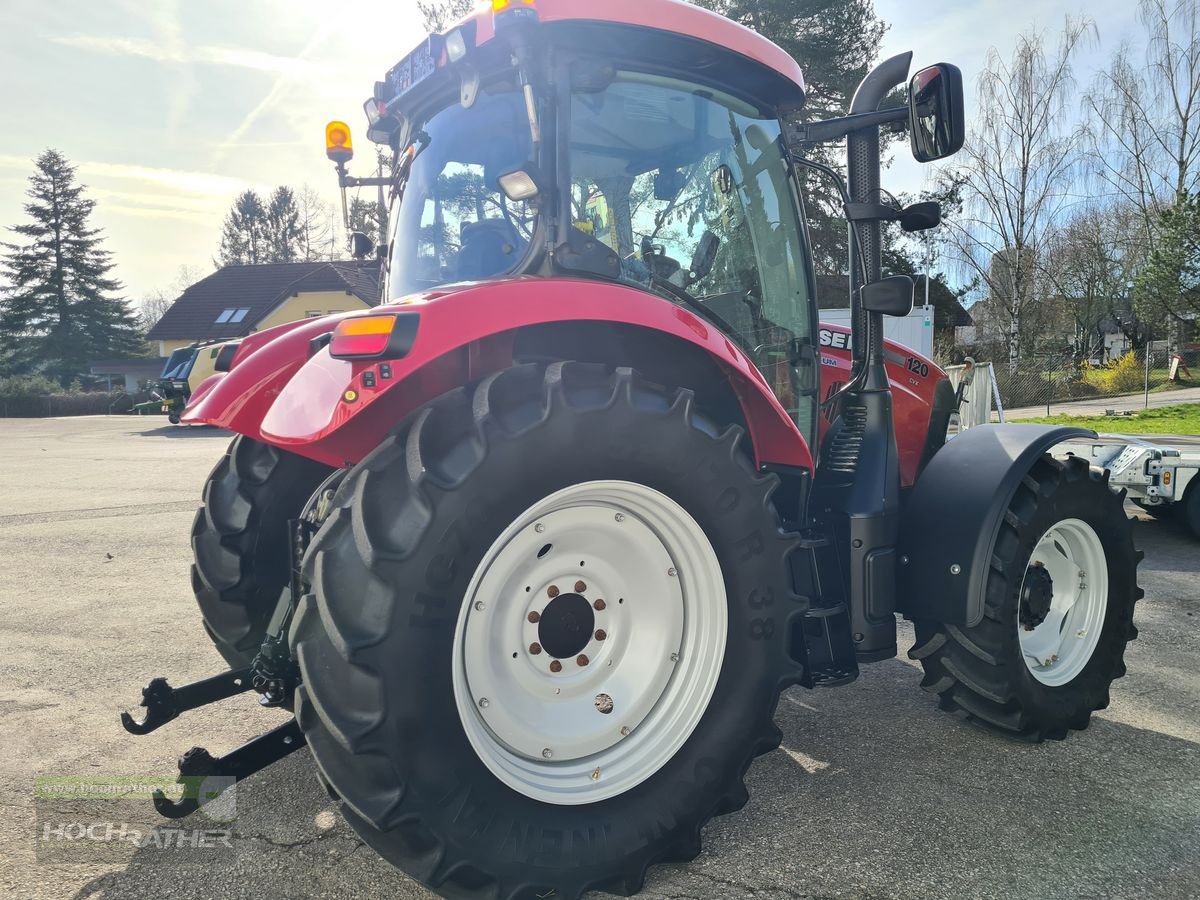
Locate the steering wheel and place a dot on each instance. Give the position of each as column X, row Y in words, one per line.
column 521, row 222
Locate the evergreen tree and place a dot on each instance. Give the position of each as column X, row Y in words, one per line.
column 59, row 311
column 282, row 232
column 1168, row 289
column 243, row 240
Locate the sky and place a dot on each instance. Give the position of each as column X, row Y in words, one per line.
column 169, row 109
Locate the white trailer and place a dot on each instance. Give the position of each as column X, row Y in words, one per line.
column 1158, row 478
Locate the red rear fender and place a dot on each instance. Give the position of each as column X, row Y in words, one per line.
column 913, row 378
column 464, row 334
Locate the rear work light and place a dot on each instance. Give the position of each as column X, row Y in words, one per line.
column 374, row 337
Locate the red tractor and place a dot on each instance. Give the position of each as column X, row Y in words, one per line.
column 532, row 548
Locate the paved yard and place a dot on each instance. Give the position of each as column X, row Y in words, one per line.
column 876, row 793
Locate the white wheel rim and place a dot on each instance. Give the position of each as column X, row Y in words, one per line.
column 664, row 618
column 1058, row 649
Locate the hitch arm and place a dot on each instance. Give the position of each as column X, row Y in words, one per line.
column 164, row 703
column 251, row 757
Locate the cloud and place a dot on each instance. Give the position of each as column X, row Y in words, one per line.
column 195, row 183
column 278, row 88
column 178, row 53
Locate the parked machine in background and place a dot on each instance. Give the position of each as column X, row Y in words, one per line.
column 184, row 370
column 532, row 548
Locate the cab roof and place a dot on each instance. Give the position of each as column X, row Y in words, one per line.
column 672, row 16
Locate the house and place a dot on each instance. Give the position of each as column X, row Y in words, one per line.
column 239, row 300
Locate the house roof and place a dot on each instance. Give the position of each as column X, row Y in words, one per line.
column 258, row 289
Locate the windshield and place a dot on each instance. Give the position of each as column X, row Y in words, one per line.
column 692, row 189
column 454, row 224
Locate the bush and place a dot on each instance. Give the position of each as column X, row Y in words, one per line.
column 1124, row 376
column 24, row 386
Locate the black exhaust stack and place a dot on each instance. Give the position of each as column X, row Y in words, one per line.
column 858, row 482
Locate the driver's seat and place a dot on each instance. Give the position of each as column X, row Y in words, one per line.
column 489, row 248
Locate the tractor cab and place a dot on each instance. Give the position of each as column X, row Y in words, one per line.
column 546, row 139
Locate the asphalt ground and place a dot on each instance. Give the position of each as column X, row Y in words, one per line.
column 875, row 794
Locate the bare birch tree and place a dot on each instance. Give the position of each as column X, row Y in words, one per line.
column 1144, row 119
column 316, row 224
column 1018, row 169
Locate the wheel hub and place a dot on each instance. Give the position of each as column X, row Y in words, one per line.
column 590, row 642
column 1037, row 596
column 1063, row 599
column 566, row 626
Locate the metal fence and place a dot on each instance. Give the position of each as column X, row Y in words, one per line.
column 82, row 404
column 1060, row 384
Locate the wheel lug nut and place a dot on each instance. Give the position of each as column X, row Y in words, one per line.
column 535, row 648
column 539, row 527
column 601, row 634
column 479, row 606
column 547, row 753
column 534, row 617
column 620, row 517
column 556, row 667
column 599, row 605
column 552, row 591
column 484, row 703
column 671, row 572
column 580, row 587
column 581, row 660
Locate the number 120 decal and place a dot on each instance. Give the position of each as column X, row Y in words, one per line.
column 917, row 367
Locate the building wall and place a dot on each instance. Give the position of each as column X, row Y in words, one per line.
column 295, row 308
column 166, row 348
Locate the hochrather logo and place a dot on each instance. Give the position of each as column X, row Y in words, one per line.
column 140, row 837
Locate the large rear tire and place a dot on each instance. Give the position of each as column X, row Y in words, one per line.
column 240, row 541
column 1058, row 611
column 511, row 696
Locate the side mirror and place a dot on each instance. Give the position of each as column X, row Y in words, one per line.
column 361, row 246
column 921, row 216
column 891, row 297
column 935, row 107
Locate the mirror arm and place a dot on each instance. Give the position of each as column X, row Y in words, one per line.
column 349, row 181
column 797, row 133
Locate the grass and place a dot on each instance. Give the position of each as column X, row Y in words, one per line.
column 1182, row 419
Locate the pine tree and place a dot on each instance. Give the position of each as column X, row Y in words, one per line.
column 243, row 239
column 1168, row 289
column 59, row 311
column 282, row 230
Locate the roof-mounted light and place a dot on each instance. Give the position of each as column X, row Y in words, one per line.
column 338, row 145
column 514, row 11
column 456, row 45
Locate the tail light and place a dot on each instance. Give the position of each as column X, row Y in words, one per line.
column 374, row 337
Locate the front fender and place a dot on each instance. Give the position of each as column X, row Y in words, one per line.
column 265, row 361
column 466, row 333
column 951, row 519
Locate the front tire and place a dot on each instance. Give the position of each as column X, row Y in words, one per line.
column 1058, row 611
column 240, row 541
column 421, row 579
